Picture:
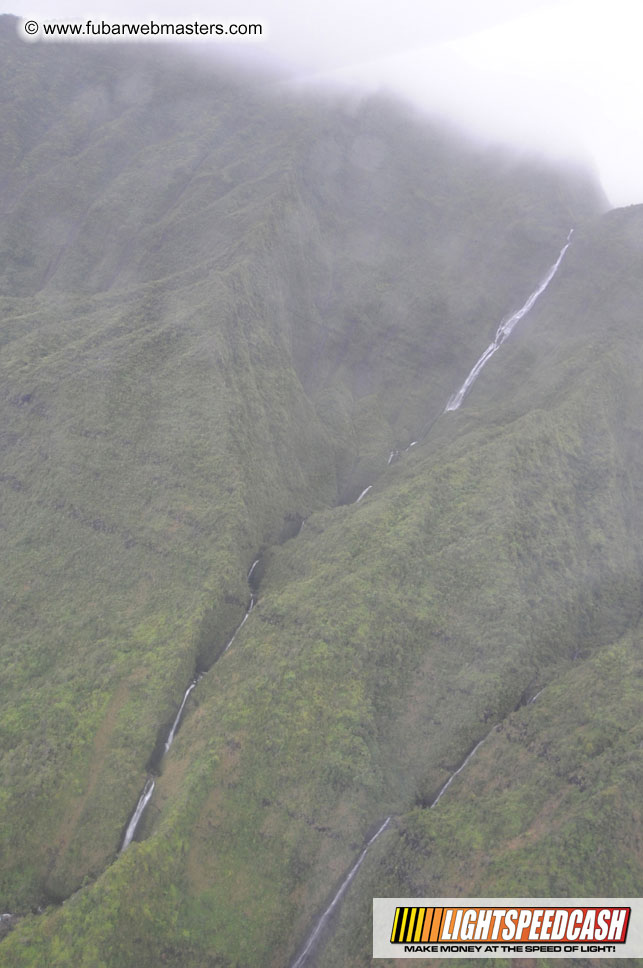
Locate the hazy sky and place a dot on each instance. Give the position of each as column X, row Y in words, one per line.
column 558, row 76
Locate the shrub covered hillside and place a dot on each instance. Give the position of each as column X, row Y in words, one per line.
column 224, row 308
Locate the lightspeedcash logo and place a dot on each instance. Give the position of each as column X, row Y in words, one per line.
column 549, row 927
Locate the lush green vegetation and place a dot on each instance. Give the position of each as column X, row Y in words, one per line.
column 221, row 310
column 550, row 806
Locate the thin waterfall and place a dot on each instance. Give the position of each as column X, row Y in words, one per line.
column 364, row 493
column 337, row 898
column 504, row 330
column 301, row 960
column 448, row 783
column 177, row 718
column 148, row 789
column 241, row 624
column 143, row 801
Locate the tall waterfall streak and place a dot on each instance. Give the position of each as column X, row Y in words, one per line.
column 177, row 719
column 504, row 330
column 148, row 789
column 241, row 624
column 143, row 801
column 473, row 752
column 338, row 896
column 250, row 608
column 364, row 493
column 353, row 871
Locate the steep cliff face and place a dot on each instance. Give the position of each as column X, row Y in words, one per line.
column 222, row 313
column 545, row 545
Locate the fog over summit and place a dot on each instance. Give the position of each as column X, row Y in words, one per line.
column 557, row 78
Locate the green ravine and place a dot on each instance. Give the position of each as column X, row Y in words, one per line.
column 223, row 306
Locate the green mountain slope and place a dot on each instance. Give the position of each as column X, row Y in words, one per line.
column 221, row 312
column 549, row 805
